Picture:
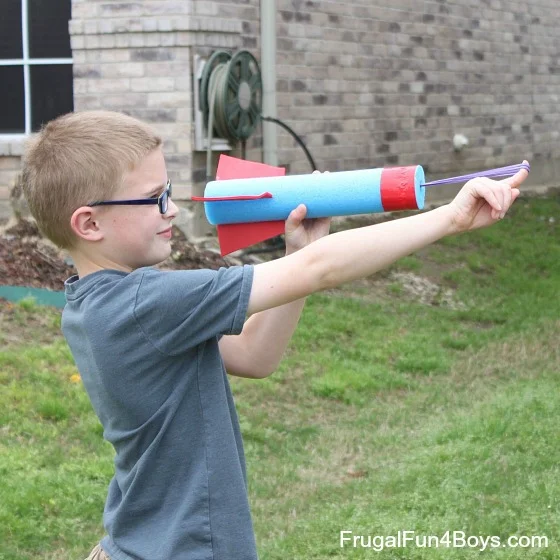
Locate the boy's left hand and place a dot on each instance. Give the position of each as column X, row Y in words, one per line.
column 301, row 232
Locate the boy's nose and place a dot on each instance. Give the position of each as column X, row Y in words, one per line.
column 172, row 209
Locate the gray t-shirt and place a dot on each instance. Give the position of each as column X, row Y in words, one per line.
column 146, row 346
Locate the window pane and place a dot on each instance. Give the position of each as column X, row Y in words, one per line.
column 48, row 28
column 12, row 101
column 10, row 29
column 51, row 93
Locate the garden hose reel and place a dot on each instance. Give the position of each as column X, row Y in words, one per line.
column 230, row 96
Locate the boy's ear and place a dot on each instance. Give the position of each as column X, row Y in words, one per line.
column 85, row 225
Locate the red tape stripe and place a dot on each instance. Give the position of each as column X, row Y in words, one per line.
column 397, row 188
column 240, row 197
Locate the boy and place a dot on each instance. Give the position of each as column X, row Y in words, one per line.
column 153, row 347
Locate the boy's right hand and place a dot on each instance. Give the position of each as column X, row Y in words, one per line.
column 483, row 201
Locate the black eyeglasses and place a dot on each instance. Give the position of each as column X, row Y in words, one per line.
column 162, row 200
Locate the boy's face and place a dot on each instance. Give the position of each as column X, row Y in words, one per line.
column 135, row 236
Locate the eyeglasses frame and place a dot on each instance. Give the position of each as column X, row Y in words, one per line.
column 162, row 200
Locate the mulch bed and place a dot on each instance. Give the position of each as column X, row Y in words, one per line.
column 27, row 260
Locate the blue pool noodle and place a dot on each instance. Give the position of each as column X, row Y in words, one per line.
column 341, row 193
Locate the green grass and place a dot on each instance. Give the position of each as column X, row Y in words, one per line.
column 386, row 415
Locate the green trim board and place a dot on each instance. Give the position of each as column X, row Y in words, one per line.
column 41, row 295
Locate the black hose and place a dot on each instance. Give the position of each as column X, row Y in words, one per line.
column 296, row 138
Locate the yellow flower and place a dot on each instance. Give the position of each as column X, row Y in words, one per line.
column 75, row 378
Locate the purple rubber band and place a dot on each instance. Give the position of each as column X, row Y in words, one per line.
column 498, row 172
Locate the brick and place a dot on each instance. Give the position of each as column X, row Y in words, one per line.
column 176, row 99
column 125, row 99
column 109, row 85
column 77, row 42
column 7, row 178
column 152, row 84
column 150, row 55
column 116, row 70
column 9, row 163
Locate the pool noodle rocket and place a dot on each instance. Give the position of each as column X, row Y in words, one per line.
column 249, row 202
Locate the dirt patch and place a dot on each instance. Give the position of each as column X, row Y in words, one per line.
column 425, row 291
column 27, row 259
column 406, row 286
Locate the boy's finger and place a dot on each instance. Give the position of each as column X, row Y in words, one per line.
column 485, row 191
column 515, row 181
column 498, row 193
column 297, row 215
column 508, row 200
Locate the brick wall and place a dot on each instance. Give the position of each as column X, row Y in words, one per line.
column 390, row 82
column 364, row 83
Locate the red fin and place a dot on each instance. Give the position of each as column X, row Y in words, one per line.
column 234, row 168
column 233, row 237
column 238, row 236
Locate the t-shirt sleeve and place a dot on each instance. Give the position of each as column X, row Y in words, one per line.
column 180, row 309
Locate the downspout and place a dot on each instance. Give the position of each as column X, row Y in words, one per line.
column 268, row 71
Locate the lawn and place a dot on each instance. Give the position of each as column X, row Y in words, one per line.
column 424, row 399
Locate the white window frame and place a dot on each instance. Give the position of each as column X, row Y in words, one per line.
column 27, row 62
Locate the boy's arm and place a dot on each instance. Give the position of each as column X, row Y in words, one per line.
column 357, row 253
column 257, row 351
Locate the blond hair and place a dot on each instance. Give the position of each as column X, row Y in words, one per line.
column 77, row 159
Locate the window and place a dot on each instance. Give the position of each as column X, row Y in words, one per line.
column 35, row 64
